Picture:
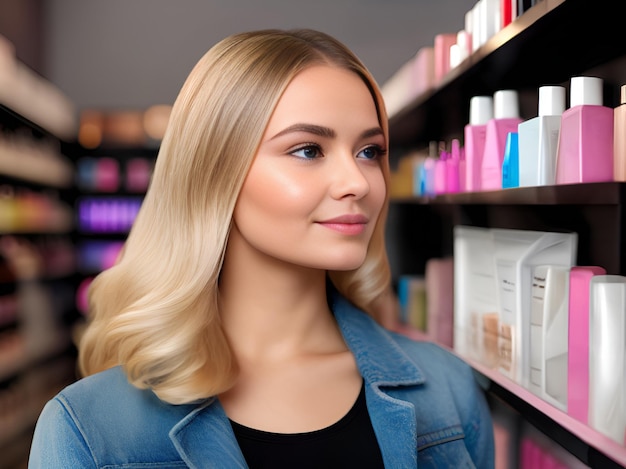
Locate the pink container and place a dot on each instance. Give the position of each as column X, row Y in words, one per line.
column 506, row 119
column 586, row 138
column 481, row 112
column 578, row 341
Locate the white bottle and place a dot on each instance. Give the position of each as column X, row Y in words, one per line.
column 539, row 138
column 607, row 356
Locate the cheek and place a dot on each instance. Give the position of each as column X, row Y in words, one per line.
column 269, row 192
column 378, row 191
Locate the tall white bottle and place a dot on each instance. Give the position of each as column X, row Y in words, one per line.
column 539, row 139
column 607, row 356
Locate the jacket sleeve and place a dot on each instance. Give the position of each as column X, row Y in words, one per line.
column 58, row 442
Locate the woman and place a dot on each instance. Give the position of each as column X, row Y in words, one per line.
column 233, row 330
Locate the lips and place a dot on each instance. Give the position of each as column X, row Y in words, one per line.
column 350, row 224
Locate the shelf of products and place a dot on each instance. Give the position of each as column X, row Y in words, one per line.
column 550, row 43
column 112, row 180
column 589, row 446
column 37, row 253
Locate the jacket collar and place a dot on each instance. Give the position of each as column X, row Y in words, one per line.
column 381, row 362
column 379, row 358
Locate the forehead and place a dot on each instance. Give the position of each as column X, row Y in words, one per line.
column 326, row 92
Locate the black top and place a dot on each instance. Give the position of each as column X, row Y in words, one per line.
column 350, row 442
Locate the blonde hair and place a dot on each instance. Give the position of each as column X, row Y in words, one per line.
column 156, row 311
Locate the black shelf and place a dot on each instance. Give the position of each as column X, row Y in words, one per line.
column 597, row 193
column 550, row 43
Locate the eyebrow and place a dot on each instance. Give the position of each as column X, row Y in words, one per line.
column 322, row 131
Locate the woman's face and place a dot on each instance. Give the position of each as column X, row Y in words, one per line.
column 316, row 187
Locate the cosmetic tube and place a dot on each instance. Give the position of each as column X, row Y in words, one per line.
column 619, row 135
column 481, row 112
column 548, row 334
column 585, row 152
column 506, row 119
column 607, row 353
column 578, row 340
column 539, row 138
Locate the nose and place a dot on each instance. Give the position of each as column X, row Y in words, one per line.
column 348, row 178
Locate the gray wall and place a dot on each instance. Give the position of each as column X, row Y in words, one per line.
column 117, row 54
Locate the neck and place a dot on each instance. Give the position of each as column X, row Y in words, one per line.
column 271, row 310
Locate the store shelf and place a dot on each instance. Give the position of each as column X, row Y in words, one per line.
column 24, row 359
column 549, row 44
column 591, row 447
column 597, row 193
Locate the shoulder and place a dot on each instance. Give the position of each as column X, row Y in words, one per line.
column 103, row 411
column 108, row 397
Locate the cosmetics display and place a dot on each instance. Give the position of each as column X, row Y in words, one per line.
column 37, row 255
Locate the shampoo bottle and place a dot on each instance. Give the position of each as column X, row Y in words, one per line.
column 481, row 112
column 619, row 134
column 539, row 138
column 585, row 151
column 506, row 119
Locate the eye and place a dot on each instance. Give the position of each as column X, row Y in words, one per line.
column 307, row 152
column 371, row 153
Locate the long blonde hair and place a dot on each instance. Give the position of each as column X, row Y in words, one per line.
column 156, row 311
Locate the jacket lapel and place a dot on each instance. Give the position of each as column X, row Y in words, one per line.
column 191, row 437
column 384, row 366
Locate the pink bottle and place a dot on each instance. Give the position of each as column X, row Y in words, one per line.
column 586, row 140
column 578, row 341
column 441, row 178
column 443, row 42
column 481, row 112
column 453, row 168
column 505, row 119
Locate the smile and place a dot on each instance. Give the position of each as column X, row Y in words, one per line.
column 346, row 224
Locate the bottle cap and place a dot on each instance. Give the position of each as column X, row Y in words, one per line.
column 481, row 110
column 505, row 104
column 585, row 91
column 551, row 100
column 623, row 95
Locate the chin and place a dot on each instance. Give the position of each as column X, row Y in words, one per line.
column 346, row 263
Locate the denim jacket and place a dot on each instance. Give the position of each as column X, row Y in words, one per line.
column 425, row 406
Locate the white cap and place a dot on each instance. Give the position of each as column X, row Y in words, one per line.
column 481, row 110
column 623, row 95
column 505, row 104
column 585, row 91
column 551, row 100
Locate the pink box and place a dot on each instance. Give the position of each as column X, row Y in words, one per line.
column 578, row 341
